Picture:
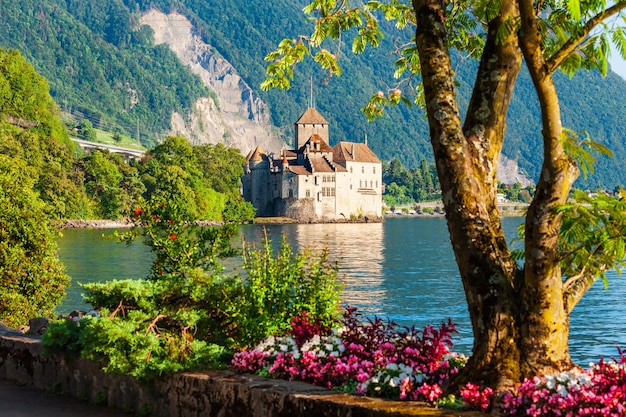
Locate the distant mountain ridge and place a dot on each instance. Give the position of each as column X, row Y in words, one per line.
column 101, row 61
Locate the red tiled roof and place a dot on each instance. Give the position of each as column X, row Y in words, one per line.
column 342, row 152
column 299, row 170
column 324, row 147
column 320, row 165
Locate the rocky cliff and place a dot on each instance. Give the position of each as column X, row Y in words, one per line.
column 234, row 115
column 509, row 172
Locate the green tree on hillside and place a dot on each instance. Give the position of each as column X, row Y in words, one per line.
column 201, row 181
column 222, row 168
column 87, row 131
column 519, row 314
column 32, row 279
column 418, row 184
column 30, row 129
column 113, row 185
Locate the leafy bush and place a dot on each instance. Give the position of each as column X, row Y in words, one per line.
column 32, row 279
column 189, row 314
column 279, row 287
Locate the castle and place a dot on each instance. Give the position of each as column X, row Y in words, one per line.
column 314, row 182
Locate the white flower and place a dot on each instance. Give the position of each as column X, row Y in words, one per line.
column 550, row 382
column 340, row 331
column 585, row 379
column 283, row 348
column 393, row 382
column 392, row 366
column 562, row 390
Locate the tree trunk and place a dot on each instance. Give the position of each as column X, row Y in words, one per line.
column 519, row 321
column 545, row 320
column 466, row 159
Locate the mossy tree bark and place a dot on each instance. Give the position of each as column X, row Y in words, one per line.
column 520, row 325
column 545, row 320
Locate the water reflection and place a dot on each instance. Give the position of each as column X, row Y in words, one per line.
column 358, row 249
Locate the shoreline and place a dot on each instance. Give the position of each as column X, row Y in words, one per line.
column 92, row 224
column 506, row 210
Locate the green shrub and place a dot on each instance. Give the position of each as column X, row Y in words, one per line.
column 190, row 314
column 281, row 286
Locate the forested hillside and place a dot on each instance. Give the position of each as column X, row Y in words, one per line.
column 198, row 182
column 100, row 62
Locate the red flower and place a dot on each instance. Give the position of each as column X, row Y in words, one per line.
column 155, row 217
column 138, row 211
column 173, row 236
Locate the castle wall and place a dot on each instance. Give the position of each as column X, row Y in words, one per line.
column 258, row 180
column 305, row 131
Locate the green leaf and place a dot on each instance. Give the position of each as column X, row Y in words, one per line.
column 574, row 9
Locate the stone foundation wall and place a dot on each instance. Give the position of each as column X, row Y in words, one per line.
column 190, row 394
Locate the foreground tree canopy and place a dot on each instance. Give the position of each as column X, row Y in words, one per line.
column 519, row 312
column 32, row 279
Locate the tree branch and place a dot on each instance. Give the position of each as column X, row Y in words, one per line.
column 570, row 46
column 575, row 288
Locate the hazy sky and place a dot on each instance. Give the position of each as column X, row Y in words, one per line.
column 618, row 65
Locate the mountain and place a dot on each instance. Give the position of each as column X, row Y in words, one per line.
column 156, row 67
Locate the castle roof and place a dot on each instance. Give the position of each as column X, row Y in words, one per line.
column 315, row 138
column 353, row 152
column 324, row 165
column 311, row 117
column 257, row 155
column 299, row 170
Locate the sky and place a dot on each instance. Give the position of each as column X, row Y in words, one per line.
column 618, row 65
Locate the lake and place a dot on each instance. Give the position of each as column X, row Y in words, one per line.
column 402, row 269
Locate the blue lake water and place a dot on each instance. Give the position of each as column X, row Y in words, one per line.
column 402, row 269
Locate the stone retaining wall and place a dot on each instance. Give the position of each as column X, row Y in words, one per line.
column 190, row 394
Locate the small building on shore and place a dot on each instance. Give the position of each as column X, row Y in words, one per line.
column 314, row 182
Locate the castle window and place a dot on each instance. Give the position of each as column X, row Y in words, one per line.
column 350, row 170
column 290, row 193
column 308, row 193
column 374, row 170
column 328, row 192
column 362, row 170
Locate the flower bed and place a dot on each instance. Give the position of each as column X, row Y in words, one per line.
column 382, row 359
